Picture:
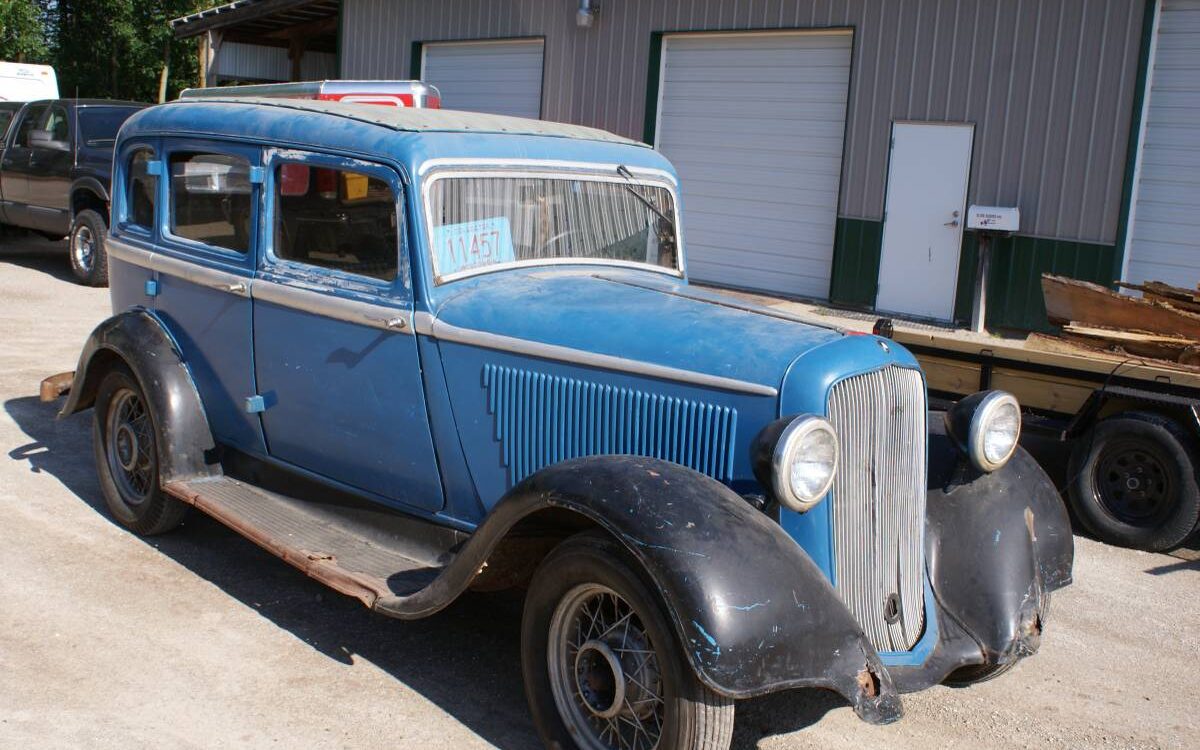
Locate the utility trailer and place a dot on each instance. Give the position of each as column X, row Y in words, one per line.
column 1134, row 421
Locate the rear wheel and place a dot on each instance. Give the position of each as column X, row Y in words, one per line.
column 89, row 259
column 603, row 668
column 125, row 442
column 1133, row 482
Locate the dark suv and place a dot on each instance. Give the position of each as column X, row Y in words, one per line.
column 55, row 175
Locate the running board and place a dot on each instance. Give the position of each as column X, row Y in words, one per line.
column 358, row 556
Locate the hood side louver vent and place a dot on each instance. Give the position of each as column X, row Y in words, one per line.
column 542, row 419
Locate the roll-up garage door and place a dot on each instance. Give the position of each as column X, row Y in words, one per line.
column 754, row 124
column 1165, row 238
column 499, row 77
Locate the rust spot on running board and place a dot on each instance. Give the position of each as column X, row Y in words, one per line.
column 56, row 385
column 317, row 565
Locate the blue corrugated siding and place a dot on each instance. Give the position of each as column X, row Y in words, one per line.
column 542, row 419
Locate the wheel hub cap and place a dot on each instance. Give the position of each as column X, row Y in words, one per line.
column 1133, row 485
column 604, row 672
column 84, row 247
column 127, row 447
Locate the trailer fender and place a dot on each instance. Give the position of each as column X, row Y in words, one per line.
column 139, row 340
column 997, row 544
column 752, row 611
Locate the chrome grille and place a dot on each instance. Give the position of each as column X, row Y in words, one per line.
column 878, row 503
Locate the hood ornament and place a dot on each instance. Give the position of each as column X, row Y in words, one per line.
column 883, row 345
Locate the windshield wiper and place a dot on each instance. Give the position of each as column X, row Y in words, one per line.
column 630, row 186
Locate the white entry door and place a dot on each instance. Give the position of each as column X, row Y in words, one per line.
column 923, row 218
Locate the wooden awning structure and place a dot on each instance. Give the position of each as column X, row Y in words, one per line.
column 275, row 23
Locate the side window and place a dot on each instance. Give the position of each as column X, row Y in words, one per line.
column 142, row 190
column 29, row 123
column 57, row 124
column 336, row 218
column 211, row 199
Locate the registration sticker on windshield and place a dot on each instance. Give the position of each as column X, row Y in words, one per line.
column 473, row 244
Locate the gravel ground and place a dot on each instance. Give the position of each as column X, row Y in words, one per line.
column 199, row 639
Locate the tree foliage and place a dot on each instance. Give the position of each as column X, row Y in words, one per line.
column 116, row 48
column 23, row 32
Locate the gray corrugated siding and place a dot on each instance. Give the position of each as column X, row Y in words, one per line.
column 1048, row 84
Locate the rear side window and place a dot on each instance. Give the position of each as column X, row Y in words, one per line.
column 211, row 199
column 142, row 190
column 336, row 218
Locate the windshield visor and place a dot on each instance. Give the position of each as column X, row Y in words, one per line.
column 483, row 223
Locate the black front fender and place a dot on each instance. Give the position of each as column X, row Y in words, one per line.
column 753, row 613
column 138, row 340
column 996, row 545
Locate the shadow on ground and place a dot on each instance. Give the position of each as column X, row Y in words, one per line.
column 465, row 659
column 36, row 253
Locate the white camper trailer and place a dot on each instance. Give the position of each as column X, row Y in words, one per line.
column 20, row 82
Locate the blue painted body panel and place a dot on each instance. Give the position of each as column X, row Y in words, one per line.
column 442, row 428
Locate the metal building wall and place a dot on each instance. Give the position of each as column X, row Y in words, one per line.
column 1048, row 84
column 260, row 62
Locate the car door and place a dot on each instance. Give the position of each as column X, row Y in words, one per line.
column 14, row 169
column 50, row 174
column 203, row 272
column 335, row 356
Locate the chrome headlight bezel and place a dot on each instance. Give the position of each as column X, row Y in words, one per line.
column 786, row 453
column 986, row 411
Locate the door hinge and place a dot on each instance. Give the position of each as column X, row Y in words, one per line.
column 257, row 175
column 255, row 404
column 151, row 287
column 154, row 168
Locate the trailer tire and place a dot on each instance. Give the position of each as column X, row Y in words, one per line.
column 1132, row 481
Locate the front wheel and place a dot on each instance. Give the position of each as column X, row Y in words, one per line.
column 125, row 442
column 1133, row 482
column 603, row 668
column 89, row 258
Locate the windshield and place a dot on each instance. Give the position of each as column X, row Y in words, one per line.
column 99, row 125
column 483, row 222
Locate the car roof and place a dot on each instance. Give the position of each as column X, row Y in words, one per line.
column 420, row 120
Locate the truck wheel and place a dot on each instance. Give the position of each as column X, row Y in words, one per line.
column 89, row 260
column 603, row 668
column 1133, row 482
column 125, row 443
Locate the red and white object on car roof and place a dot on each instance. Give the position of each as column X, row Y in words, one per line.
column 387, row 93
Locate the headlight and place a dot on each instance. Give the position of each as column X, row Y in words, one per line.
column 804, row 462
column 987, row 426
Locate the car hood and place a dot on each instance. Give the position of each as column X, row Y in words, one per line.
column 636, row 316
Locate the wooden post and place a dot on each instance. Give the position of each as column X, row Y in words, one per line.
column 166, row 69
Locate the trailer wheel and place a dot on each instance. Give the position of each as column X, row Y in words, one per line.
column 1133, row 482
column 125, row 441
column 603, row 669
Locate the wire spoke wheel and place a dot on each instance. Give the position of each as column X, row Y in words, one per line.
column 83, row 248
column 130, row 448
column 604, row 671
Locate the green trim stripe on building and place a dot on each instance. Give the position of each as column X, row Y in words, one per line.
column 1014, row 280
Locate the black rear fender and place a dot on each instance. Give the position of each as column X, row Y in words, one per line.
column 138, row 340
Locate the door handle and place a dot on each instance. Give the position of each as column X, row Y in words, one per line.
column 235, row 288
column 395, row 324
column 951, row 223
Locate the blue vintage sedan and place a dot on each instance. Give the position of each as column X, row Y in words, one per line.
column 413, row 352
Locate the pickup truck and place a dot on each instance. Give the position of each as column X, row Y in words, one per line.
column 55, row 174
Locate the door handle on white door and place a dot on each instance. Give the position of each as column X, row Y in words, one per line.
column 953, row 222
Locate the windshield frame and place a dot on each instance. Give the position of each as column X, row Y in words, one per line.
column 436, row 170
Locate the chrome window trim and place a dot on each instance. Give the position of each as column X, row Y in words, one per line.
column 443, row 331
column 534, row 169
column 383, row 317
